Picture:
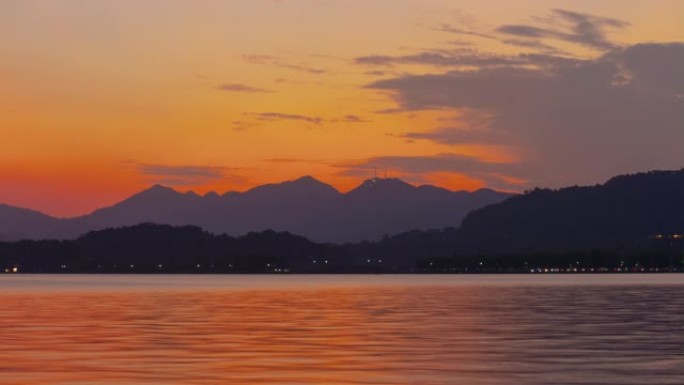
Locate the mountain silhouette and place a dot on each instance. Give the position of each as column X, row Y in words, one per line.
column 636, row 217
column 20, row 223
column 305, row 206
column 390, row 206
column 623, row 212
column 631, row 222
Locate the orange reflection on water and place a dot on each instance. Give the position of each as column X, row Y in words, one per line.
column 335, row 335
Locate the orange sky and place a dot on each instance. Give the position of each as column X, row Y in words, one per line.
column 100, row 99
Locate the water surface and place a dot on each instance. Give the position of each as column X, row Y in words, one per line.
column 501, row 329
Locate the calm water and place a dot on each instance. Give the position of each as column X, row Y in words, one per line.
column 423, row 330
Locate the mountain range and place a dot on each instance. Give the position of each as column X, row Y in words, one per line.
column 305, row 206
column 633, row 222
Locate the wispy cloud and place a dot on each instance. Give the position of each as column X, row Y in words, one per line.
column 275, row 116
column 296, row 160
column 240, row 125
column 278, row 116
column 533, row 44
column 187, row 175
column 282, row 63
column 350, row 119
column 239, row 87
column 376, row 73
column 455, row 59
column 418, row 164
column 558, row 25
column 416, row 168
column 574, row 27
column 462, row 31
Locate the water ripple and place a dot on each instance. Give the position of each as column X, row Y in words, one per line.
column 378, row 334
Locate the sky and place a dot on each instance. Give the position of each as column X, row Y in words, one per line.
column 101, row 99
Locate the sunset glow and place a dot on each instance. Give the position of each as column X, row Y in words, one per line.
column 101, row 99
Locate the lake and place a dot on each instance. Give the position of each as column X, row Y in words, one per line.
column 342, row 329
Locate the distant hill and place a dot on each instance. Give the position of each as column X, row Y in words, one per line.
column 306, row 206
column 152, row 248
column 19, row 223
column 623, row 212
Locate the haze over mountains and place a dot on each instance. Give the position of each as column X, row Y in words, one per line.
column 306, row 206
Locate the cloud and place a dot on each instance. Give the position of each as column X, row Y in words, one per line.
column 416, row 168
column 534, row 44
column 240, row 125
column 656, row 68
column 468, row 127
column 278, row 62
column 351, row 119
column 452, row 135
column 472, row 59
column 460, row 43
column 468, row 58
column 258, row 58
column 376, row 73
column 583, row 119
column 579, row 28
column 416, row 164
column 462, row 31
column 186, row 175
column 275, row 116
column 238, row 87
column 295, row 160
column 559, row 25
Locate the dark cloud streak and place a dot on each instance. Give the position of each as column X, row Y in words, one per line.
column 583, row 29
column 279, row 116
column 469, row 58
column 278, row 62
column 187, row 175
column 496, row 175
column 274, row 116
column 351, row 119
column 238, row 87
column 462, row 31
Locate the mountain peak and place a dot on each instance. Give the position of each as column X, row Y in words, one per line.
column 304, row 185
column 159, row 187
column 156, row 191
column 383, row 185
column 307, row 179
